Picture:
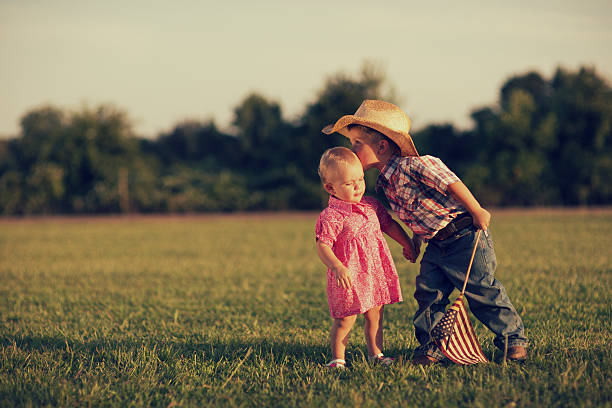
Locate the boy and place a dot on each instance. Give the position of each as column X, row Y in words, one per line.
column 432, row 201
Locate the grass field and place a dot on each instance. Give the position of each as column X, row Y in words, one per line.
column 231, row 311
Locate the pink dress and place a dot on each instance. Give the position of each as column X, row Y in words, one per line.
column 353, row 231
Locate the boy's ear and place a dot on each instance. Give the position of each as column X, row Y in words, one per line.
column 383, row 146
column 329, row 188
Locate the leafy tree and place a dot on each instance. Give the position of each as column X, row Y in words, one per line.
column 341, row 95
column 41, row 131
column 66, row 163
column 44, row 189
column 261, row 132
column 30, row 182
column 547, row 141
column 457, row 149
column 533, row 84
column 197, row 142
column 12, row 192
column 582, row 104
column 269, row 155
column 187, row 189
column 97, row 144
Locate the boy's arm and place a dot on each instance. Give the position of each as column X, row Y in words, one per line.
column 480, row 216
column 395, row 231
column 342, row 273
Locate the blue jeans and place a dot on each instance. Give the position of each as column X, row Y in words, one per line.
column 443, row 268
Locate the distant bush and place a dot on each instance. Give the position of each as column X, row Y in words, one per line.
column 547, row 142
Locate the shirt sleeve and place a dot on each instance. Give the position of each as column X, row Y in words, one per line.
column 384, row 218
column 327, row 228
column 432, row 172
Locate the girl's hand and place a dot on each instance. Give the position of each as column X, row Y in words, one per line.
column 343, row 276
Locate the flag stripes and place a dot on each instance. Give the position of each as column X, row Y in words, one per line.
column 460, row 345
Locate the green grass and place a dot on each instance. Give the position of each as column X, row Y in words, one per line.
column 231, row 311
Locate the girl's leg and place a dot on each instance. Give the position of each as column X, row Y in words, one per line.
column 339, row 335
column 373, row 330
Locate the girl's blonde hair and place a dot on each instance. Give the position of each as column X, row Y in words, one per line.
column 334, row 157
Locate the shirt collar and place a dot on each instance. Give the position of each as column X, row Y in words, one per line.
column 343, row 206
column 387, row 172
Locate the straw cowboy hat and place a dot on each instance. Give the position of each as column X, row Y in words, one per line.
column 385, row 117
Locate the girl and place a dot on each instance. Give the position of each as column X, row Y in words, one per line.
column 361, row 275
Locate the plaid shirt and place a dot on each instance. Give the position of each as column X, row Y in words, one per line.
column 416, row 190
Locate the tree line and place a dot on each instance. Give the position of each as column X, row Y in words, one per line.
column 544, row 142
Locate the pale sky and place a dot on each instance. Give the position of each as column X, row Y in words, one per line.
column 166, row 61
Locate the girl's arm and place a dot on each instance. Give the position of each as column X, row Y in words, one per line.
column 395, row 231
column 481, row 217
column 342, row 273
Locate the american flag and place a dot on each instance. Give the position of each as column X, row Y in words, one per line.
column 455, row 336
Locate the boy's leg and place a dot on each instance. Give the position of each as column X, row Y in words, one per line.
column 373, row 329
column 338, row 337
column 485, row 294
column 431, row 293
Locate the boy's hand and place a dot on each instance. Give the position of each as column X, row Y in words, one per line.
column 409, row 252
column 343, row 276
column 417, row 241
column 481, row 219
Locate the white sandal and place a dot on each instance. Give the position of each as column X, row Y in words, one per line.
column 337, row 363
column 380, row 359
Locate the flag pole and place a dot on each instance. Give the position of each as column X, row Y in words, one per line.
column 467, row 275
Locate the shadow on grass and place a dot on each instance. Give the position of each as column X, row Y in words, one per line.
column 268, row 351
column 213, row 350
column 271, row 350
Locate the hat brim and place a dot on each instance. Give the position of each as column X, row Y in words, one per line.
column 402, row 139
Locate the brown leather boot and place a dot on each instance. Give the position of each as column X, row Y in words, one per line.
column 424, row 360
column 517, row 353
